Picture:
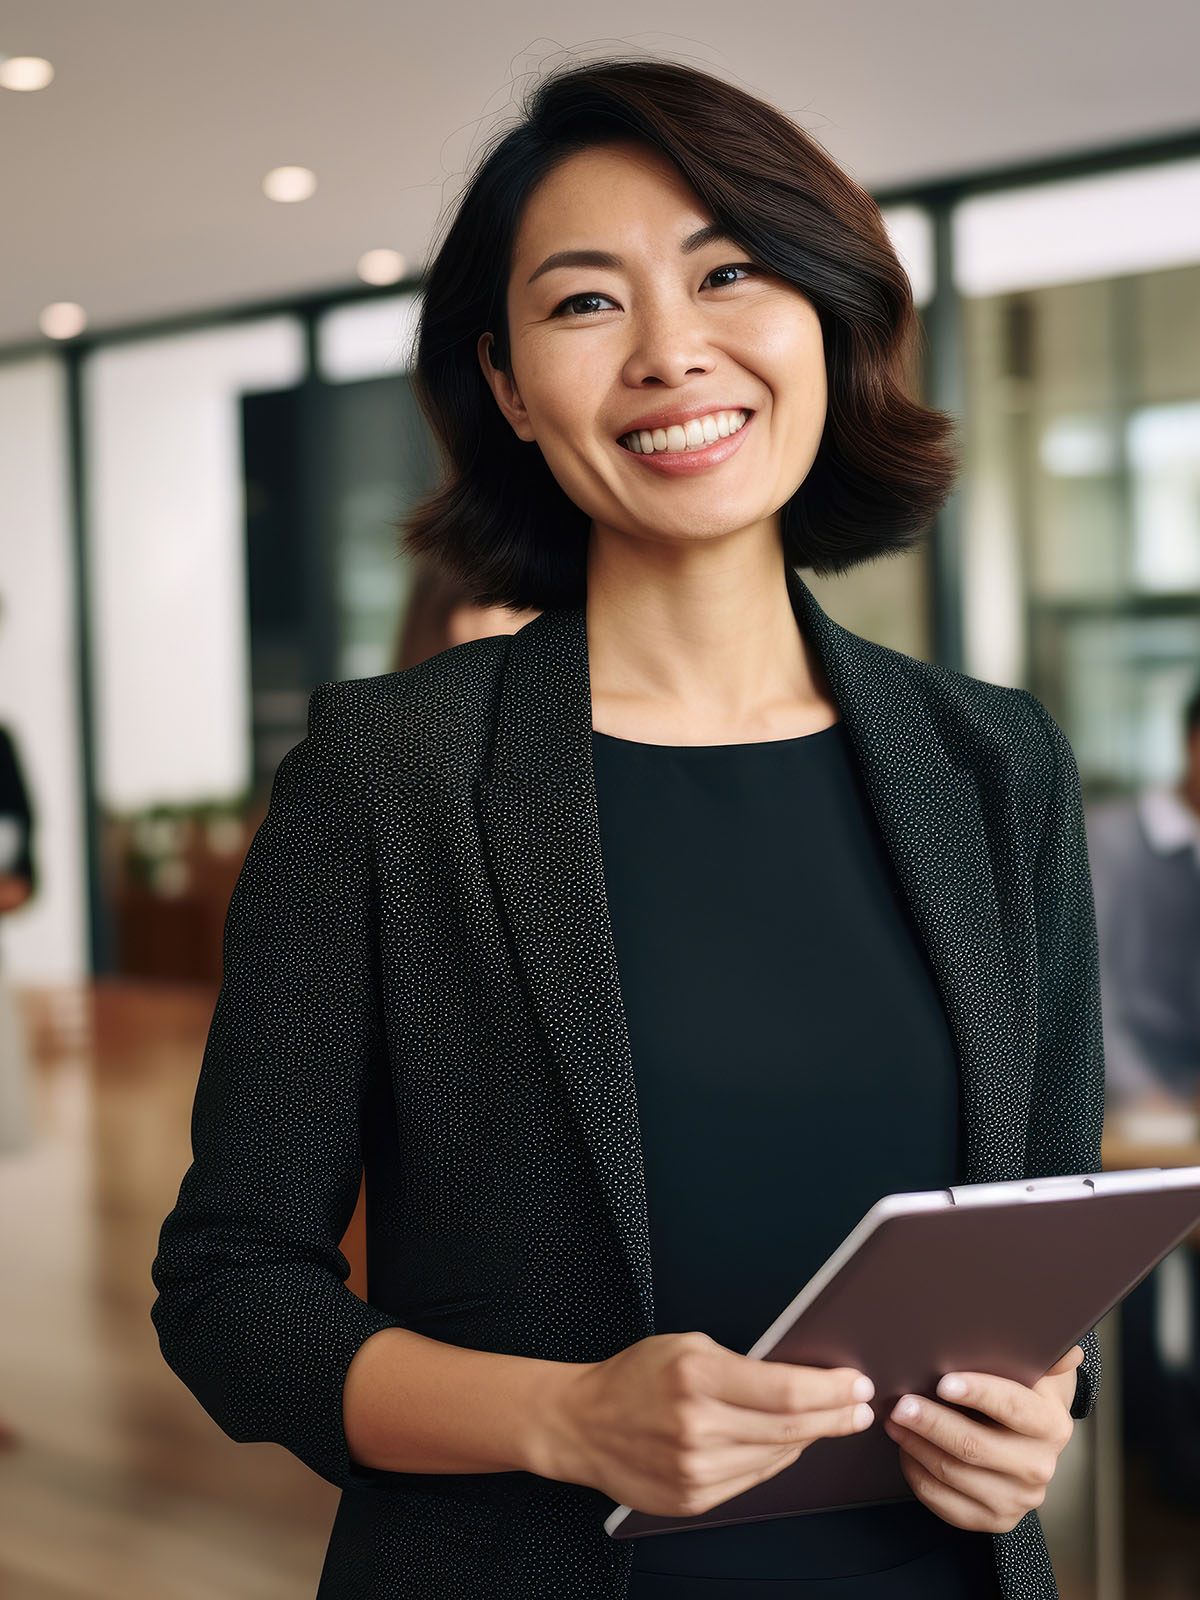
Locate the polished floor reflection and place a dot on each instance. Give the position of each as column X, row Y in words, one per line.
column 120, row 1486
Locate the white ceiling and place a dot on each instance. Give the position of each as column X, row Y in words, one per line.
column 133, row 183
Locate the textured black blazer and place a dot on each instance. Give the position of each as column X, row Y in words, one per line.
column 420, row 978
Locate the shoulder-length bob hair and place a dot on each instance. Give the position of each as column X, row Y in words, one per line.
column 498, row 518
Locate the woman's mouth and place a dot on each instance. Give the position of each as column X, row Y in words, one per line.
column 690, row 446
column 693, row 435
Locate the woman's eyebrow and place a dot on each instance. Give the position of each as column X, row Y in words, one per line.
column 603, row 258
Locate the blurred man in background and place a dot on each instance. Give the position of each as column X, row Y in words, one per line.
column 1145, row 858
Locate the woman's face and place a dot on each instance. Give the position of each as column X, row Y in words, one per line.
column 594, row 348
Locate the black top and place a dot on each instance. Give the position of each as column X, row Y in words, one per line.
column 793, row 1064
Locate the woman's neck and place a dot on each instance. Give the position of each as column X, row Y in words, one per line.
column 700, row 651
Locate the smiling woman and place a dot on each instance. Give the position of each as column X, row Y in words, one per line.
column 641, row 216
column 629, row 1025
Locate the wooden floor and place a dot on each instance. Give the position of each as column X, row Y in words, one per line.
column 120, row 1486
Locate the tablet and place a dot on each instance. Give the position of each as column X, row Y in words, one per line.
column 987, row 1277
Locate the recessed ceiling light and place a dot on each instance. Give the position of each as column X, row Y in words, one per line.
column 381, row 266
column 288, row 184
column 25, row 72
column 62, row 319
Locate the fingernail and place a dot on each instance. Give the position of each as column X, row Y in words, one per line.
column 906, row 1408
column 862, row 1389
column 952, row 1387
column 863, row 1416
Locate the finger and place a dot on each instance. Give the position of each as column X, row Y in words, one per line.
column 1016, row 1406
column 968, row 1497
column 1059, row 1393
column 1068, row 1362
column 736, row 1470
column 783, row 1386
column 752, row 1425
column 980, row 1444
column 738, row 1464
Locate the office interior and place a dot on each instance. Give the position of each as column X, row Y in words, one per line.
column 201, row 485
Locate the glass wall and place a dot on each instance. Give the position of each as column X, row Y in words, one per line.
column 379, row 456
column 1082, row 468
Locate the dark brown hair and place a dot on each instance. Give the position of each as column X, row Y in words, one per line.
column 885, row 463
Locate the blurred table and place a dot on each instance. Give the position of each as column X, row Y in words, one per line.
column 1133, row 1138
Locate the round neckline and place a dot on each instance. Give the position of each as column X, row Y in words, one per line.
column 752, row 744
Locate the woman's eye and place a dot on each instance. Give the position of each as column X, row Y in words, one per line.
column 737, row 266
column 564, row 308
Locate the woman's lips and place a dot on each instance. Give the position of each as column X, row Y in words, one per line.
column 676, row 462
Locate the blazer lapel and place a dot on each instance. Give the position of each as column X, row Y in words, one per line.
column 538, row 817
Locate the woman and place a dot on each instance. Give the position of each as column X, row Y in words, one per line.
column 679, row 908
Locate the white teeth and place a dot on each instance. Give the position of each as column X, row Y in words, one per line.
column 691, row 435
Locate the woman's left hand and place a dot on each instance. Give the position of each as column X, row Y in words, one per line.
column 986, row 1476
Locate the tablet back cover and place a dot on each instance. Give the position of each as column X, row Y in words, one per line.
column 1005, row 1288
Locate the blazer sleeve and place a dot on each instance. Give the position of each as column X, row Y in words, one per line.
column 1066, row 1114
column 253, row 1312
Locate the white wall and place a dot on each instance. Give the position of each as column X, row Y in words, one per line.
column 167, row 560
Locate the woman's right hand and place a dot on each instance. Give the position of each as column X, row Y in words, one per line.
column 676, row 1424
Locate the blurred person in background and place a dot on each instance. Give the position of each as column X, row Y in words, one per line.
column 1145, row 855
column 441, row 611
column 17, row 885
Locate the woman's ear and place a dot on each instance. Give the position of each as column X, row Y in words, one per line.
column 507, row 395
